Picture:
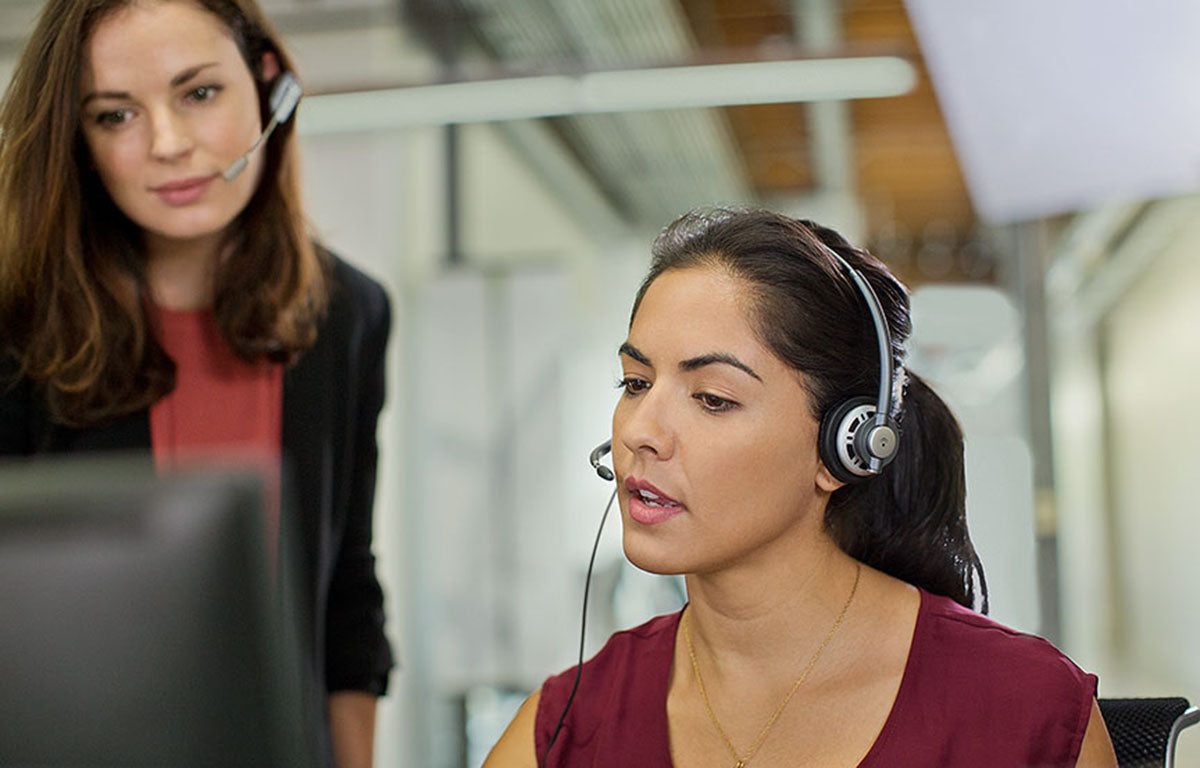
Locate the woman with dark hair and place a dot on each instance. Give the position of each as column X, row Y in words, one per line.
column 830, row 615
column 153, row 297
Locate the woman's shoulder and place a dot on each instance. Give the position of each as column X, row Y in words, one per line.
column 630, row 661
column 628, row 653
column 351, row 287
column 358, row 305
column 1009, row 688
column 629, row 675
column 973, row 644
column 976, row 692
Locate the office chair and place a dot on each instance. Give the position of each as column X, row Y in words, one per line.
column 1144, row 731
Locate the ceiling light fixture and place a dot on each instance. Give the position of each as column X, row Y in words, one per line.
column 711, row 85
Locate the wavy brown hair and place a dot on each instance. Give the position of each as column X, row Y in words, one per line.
column 72, row 267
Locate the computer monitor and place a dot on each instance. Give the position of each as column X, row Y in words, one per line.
column 141, row 623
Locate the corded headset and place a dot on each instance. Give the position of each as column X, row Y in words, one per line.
column 605, row 474
column 858, row 439
column 285, row 95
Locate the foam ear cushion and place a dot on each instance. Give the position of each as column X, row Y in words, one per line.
column 831, row 426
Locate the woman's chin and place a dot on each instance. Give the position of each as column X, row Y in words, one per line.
column 183, row 230
column 653, row 557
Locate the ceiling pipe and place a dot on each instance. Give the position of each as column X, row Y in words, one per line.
column 818, row 28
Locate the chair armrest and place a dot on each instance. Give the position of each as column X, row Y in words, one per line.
column 1191, row 716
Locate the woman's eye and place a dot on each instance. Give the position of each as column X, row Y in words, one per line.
column 204, row 92
column 113, row 118
column 714, row 403
column 633, row 385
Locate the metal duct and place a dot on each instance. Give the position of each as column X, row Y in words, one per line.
column 654, row 164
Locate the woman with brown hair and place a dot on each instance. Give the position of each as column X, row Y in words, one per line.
column 160, row 291
column 769, row 446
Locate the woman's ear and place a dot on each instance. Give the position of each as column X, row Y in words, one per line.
column 825, row 479
column 268, row 67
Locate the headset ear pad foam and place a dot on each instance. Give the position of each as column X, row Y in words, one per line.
column 837, row 422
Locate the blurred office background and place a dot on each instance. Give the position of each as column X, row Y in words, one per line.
column 1031, row 170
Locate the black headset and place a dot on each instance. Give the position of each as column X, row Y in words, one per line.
column 858, row 437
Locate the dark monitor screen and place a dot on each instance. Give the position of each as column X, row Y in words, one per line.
column 140, row 623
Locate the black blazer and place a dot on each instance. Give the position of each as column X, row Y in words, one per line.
column 331, row 402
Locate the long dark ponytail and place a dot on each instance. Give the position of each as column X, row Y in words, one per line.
column 910, row 521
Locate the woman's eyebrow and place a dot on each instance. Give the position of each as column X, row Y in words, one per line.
column 712, row 358
column 629, row 350
column 189, row 73
column 114, row 95
column 692, row 363
column 176, row 81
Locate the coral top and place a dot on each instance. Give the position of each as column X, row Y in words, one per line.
column 974, row 693
column 223, row 412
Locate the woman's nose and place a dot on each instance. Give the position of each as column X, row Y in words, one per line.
column 645, row 426
column 170, row 135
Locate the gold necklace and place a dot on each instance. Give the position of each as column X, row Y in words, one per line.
column 740, row 762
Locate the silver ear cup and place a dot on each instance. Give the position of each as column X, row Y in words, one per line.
column 836, row 443
column 849, row 440
column 853, row 447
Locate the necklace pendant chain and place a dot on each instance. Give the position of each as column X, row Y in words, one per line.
column 741, row 761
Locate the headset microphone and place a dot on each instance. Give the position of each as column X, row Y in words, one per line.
column 284, row 98
column 595, row 456
column 606, row 474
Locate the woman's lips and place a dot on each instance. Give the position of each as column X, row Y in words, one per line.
column 648, row 505
column 185, row 191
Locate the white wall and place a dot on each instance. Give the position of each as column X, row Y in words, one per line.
column 1153, row 368
column 1077, row 399
column 966, row 343
column 360, row 210
column 1129, row 528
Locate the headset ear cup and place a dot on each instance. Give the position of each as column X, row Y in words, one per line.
column 833, row 426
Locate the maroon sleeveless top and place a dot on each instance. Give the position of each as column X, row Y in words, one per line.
column 974, row 693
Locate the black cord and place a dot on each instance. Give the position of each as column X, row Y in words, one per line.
column 587, row 584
